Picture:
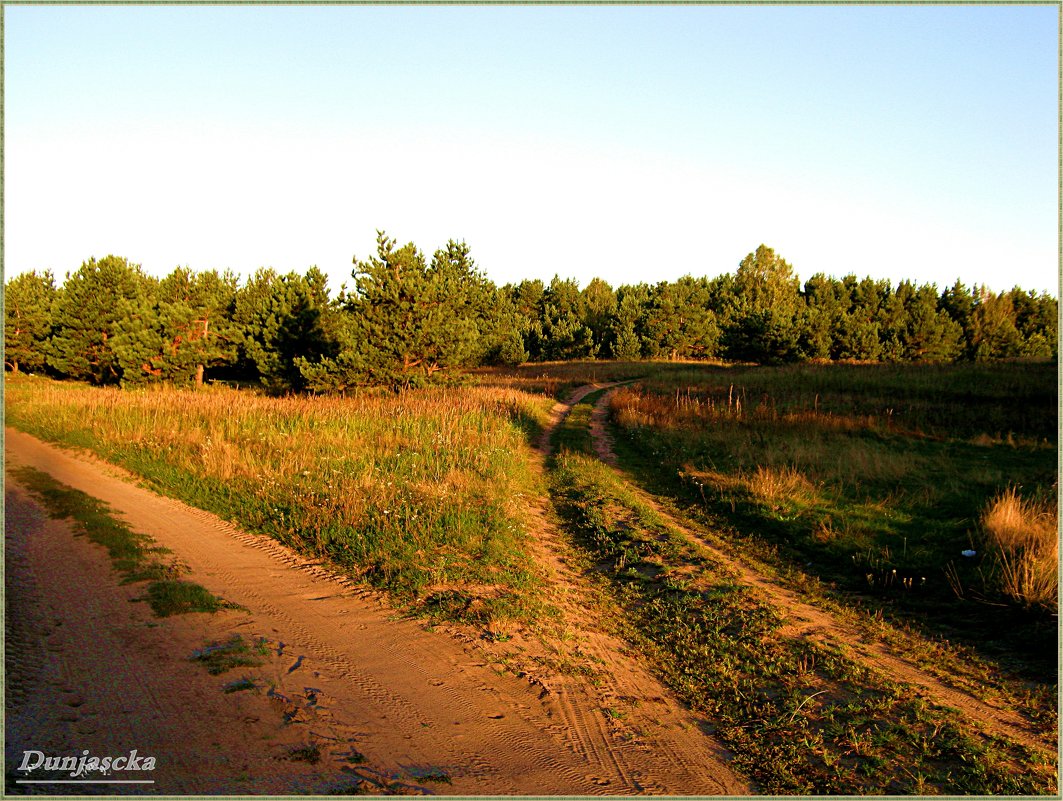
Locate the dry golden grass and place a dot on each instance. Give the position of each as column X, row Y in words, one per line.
column 1025, row 535
column 411, row 490
column 776, row 485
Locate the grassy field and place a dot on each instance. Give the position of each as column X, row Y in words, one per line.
column 419, row 493
column 801, row 716
column 858, row 487
column 876, row 480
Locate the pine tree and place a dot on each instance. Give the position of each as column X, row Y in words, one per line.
column 282, row 322
column 993, row 334
column 87, row 312
column 679, row 323
column 597, row 308
column 765, row 309
column 624, row 337
column 564, row 335
column 410, row 322
column 28, row 300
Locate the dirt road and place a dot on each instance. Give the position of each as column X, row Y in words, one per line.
column 381, row 699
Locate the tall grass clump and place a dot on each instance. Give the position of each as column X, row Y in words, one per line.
column 421, row 493
column 1024, row 537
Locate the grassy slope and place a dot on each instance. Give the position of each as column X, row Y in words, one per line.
column 418, row 493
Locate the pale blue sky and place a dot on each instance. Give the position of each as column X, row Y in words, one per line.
column 632, row 143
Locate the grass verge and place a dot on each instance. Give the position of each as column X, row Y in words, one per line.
column 133, row 554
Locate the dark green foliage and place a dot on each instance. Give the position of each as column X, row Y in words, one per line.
column 564, row 334
column 597, row 311
column 625, row 342
column 28, row 300
column 763, row 312
column 283, row 322
column 196, row 322
column 411, row 321
column 679, row 323
column 88, row 315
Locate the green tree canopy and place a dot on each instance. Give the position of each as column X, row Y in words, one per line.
column 87, row 315
column 28, row 300
column 764, row 310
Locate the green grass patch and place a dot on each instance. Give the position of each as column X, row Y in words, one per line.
column 220, row 657
column 240, row 685
column 174, row 597
column 306, row 753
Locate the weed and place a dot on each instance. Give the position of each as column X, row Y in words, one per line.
column 173, row 597
column 436, row 775
column 218, row 658
column 310, row 753
column 1024, row 535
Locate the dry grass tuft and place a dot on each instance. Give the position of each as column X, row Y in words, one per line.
column 1025, row 534
column 777, row 485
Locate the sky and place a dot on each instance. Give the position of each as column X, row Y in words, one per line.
column 631, row 143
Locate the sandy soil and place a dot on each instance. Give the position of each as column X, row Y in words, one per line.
column 805, row 620
column 87, row 669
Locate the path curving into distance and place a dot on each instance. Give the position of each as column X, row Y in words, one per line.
column 385, row 701
column 803, row 619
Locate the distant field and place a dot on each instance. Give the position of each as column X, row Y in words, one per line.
column 874, row 478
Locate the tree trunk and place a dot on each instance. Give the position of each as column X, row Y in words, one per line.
column 199, row 375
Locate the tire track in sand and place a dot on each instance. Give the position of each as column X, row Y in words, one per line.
column 651, row 720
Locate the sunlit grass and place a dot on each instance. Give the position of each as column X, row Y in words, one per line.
column 419, row 492
column 1024, row 536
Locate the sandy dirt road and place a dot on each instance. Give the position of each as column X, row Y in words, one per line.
column 383, row 699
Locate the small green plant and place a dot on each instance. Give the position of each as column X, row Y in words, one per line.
column 310, row 753
column 436, row 775
column 175, row 597
column 220, row 657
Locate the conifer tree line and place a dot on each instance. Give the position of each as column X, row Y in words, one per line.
column 410, row 320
